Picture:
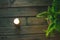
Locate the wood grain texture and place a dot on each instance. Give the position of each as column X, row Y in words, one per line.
column 19, row 3
column 31, row 27
column 24, row 11
column 31, row 3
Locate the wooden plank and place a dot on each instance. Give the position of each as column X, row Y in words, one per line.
column 35, row 20
column 23, row 29
column 8, row 22
column 21, row 11
column 3, row 3
column 19, row 3
column 18, row 12
column 26, row 37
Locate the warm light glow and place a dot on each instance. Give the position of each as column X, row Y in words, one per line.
column 16, row 21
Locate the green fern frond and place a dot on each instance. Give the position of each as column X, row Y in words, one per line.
column 42, row 14
column 51, row 27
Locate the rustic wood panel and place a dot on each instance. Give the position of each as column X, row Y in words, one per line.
column 24, row 11
column 26, row 33
column 35, row 20
column 23, row 30
column 3, row 3
column 31, row 28
column 23, row 20
column 25, row 37
column 18, row 3
column 18, row 12
column 8, row 22
column 7, row 26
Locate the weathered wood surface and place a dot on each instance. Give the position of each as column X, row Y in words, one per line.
column 29, row 31
column 18, row 3
column 33, row 30
column 24, row 11
column 31, row 27
column 31, row 3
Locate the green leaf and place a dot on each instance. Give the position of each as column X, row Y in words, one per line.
column 58, row 22
column 53, row 6
column 43, row 14
column 53, row 14
column 53, row 10
column 51, row 27
column 48, row 8
column 58, row 27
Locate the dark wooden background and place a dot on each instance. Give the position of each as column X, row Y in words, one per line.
column 31, row 27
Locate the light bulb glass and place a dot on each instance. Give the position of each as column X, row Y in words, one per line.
column 16, row 21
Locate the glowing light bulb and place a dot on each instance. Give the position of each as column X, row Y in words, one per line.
column 16, row 21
